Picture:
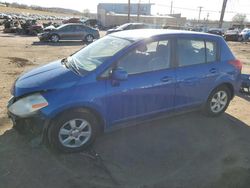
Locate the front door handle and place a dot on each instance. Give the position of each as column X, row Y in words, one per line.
column 166, row 79
column 213, row 70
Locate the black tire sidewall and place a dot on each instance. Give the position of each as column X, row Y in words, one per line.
column 208, row 110
column 63, row 118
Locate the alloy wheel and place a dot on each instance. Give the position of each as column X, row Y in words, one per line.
column 75, row 133
column 218, row 101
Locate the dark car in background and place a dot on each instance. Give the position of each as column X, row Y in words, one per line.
column 93, row 23
column 130, row 26
column 216, row 31
column 244, row 35
column 70, row 32
column 231, row 35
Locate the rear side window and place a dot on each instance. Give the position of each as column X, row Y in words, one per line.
column 192, row 52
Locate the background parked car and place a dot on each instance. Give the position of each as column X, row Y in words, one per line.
column 129, row 26
column 72, row 20
column 245, row 34
column 216, row 31
column 94, row 23
column 232, row 35
column 70, row 32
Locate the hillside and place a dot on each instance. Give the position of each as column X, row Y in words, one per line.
column 22, row 8
column 32, row 11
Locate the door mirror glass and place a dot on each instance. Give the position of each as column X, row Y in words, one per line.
column 119, row 74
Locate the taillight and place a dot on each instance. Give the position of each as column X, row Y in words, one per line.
column 236, row 63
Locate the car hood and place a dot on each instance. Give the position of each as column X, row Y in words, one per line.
column 51, row 76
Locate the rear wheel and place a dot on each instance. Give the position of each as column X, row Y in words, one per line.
column 218, row 101
column 73, row 131
column 89, row 38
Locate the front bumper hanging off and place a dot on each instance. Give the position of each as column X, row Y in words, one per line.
column 33, row 125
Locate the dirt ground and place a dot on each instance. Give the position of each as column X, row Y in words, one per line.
column 177, row 152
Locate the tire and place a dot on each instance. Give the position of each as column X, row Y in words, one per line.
column 89, row 38
column 216, row 106
column 73, row 131
column 54, row 38
column 240, row 38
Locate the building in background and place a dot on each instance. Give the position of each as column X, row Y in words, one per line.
column 122, row 8
column 114, row 14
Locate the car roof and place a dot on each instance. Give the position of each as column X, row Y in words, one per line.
column 138, row 34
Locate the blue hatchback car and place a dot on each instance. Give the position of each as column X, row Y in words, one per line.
column 123, row 78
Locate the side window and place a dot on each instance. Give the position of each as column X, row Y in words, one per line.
column 190, row 52
column 68, row 28
column 147, row 57
column 211, row 51
column 79, row 28
column 139, row 26
column 64, row 28
column 128, row 27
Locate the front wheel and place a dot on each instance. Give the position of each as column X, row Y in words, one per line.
column 54, row 38
column 73, row 131
column 218, row 101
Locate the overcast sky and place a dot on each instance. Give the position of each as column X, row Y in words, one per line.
column 188, row 8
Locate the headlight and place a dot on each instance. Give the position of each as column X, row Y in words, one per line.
column 28, row 105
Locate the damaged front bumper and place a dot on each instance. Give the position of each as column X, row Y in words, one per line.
column 34, row 125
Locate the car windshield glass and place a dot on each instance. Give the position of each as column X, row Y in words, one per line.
column 92, row 56
column 60, row 27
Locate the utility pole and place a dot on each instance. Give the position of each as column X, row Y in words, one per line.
column 199, row 13
column 222, row 12
column 138, row 11
column 171, row 9
column 128, row 11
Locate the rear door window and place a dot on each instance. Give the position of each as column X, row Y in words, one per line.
column 190, row 52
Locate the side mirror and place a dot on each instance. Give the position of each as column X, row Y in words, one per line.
column 119, row 74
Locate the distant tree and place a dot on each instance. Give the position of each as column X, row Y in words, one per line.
column 239, row 18
column 86, row 12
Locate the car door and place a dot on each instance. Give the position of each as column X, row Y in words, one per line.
column 67, row 32
column 80, row 32
column 150, row 87
column 197, row 71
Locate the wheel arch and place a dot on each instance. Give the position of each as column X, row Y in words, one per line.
column 98, row 115
column 226, row 84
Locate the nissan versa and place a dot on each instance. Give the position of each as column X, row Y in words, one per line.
column 123, row 77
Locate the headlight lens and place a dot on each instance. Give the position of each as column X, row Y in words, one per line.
column 28, row 105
